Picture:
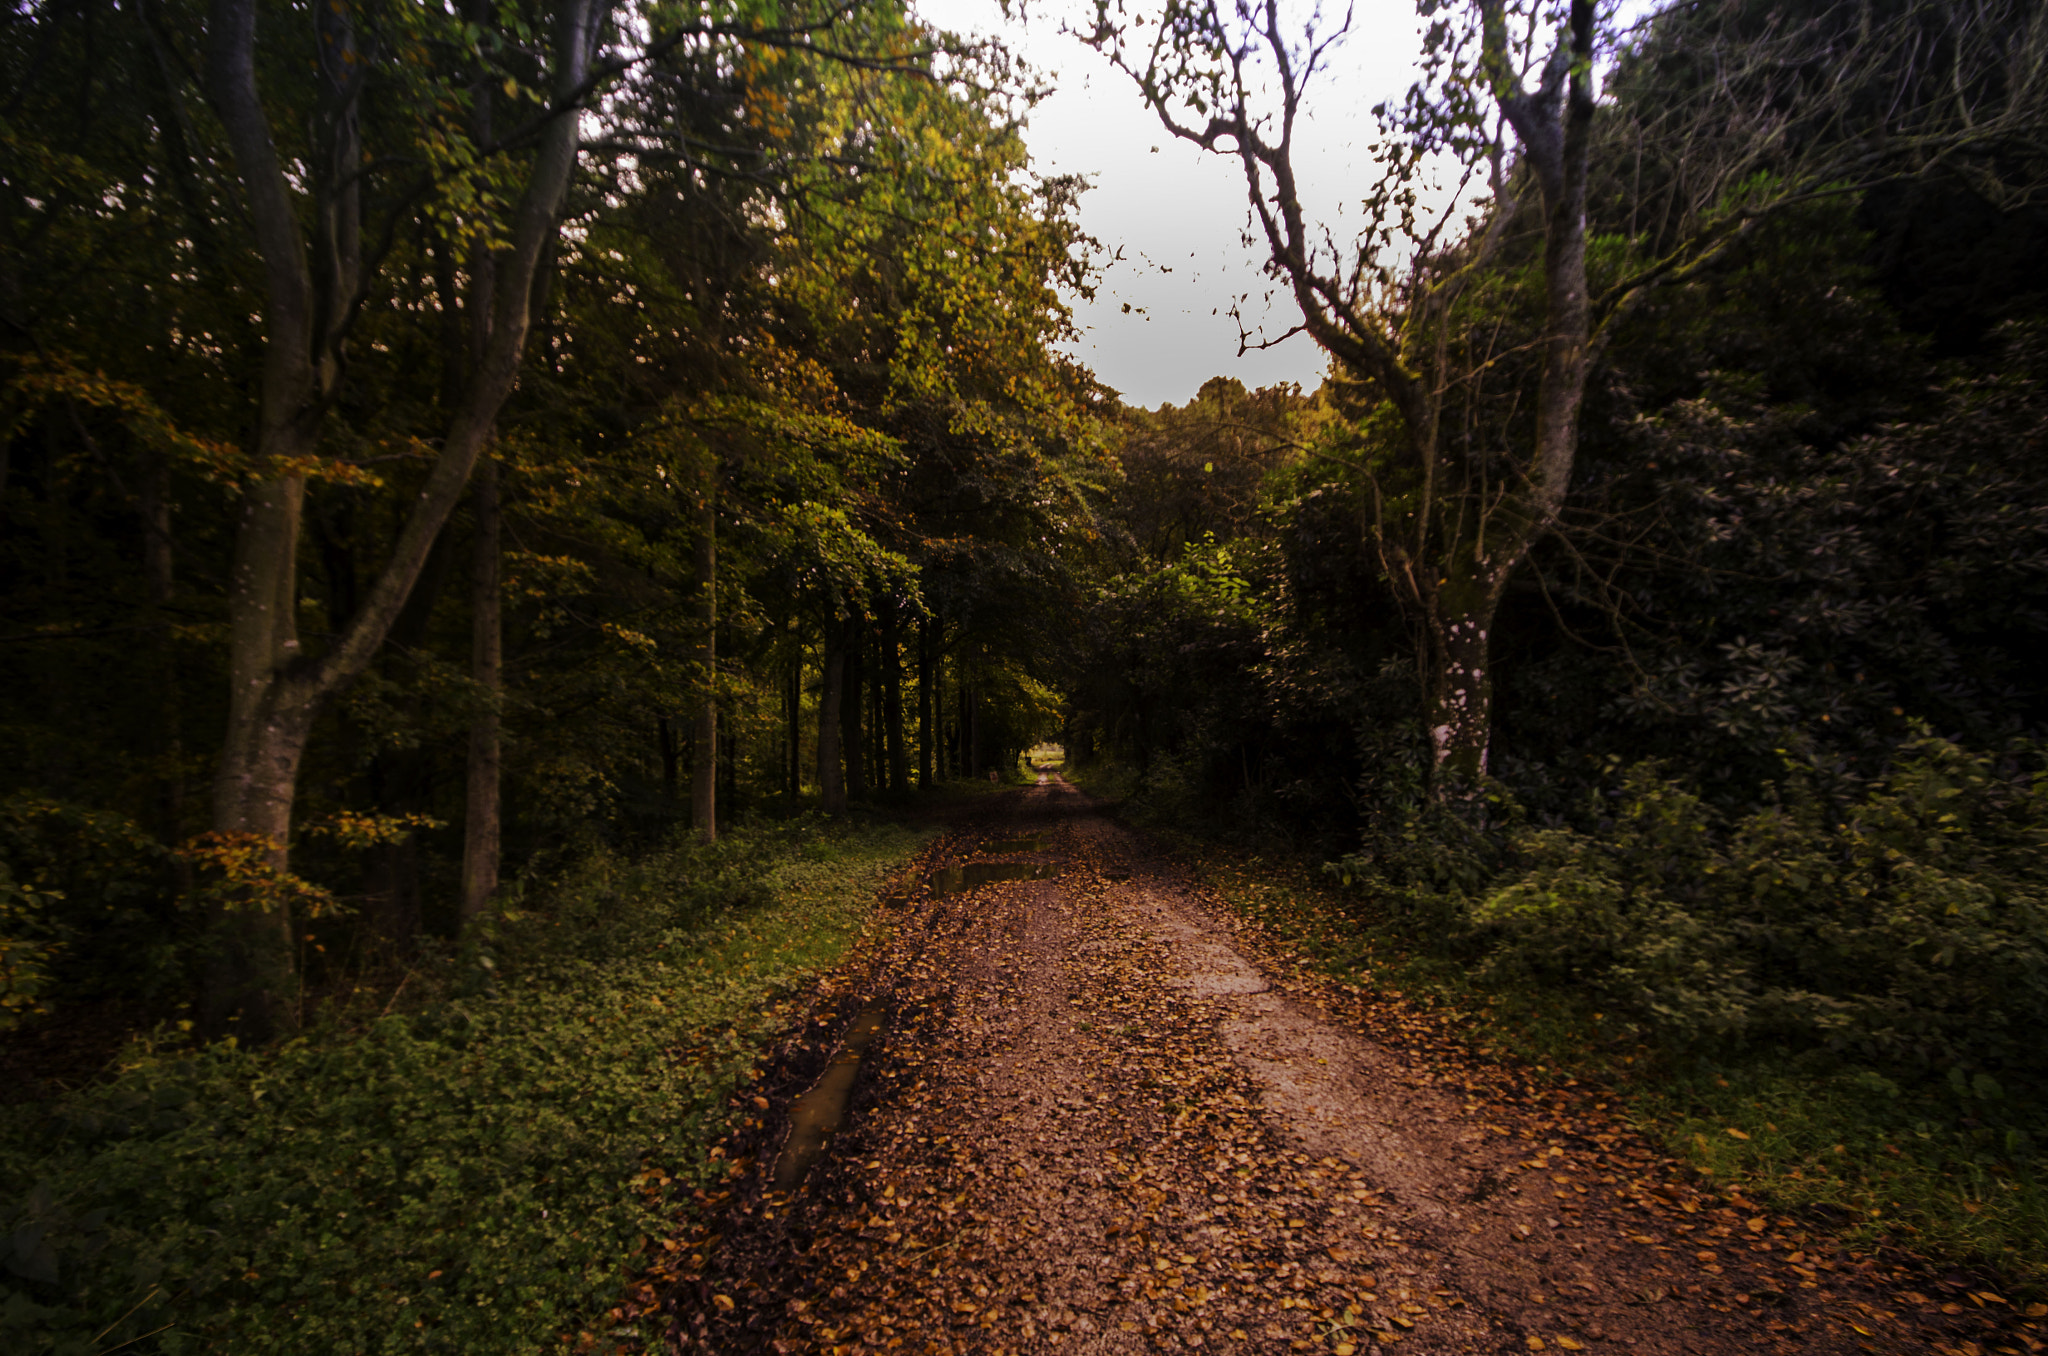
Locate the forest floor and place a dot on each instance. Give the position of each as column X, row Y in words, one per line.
column 1104, row 1115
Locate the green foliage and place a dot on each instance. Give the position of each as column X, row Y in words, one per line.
column 1907, row 925
column 92, row 890
column 464, row 1177
column 25, row 952
column 1943, row 1160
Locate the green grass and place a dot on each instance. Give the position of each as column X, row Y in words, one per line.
column 1945, row 1171
column 472, row 1175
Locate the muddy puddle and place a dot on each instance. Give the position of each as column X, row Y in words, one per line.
column 817, row 1115
column 1016, row 845
column 953, row 880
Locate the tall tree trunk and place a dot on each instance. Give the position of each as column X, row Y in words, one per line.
column 831, row 688
column 311, row 290
column 482, row 828
column 793, row 709
column 969, row 766
column 892, row 700
column 670, row 749
column 877, row 734
column 852, row 700
column 158, row 566
column 704, row 768
column 1554, row 124
column 924, row 703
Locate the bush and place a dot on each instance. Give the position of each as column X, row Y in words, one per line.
column 1908, row 925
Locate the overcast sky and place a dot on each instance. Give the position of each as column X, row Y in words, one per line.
column 1178, row 215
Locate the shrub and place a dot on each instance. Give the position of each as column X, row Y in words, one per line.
column 1910, row 924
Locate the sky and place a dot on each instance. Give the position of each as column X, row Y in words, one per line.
column 1173, row 216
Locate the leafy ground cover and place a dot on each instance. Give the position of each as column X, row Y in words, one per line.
column 468, row 1172
column 1926, row 1163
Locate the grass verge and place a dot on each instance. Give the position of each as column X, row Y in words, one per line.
column 1939, row 1170
column 469, row 1175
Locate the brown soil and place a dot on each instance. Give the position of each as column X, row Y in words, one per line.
column 1103, row 1118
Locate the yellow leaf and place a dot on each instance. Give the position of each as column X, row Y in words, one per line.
column 1756, row 1226
column 2037, row 1311
column 1736, row 1134
column 1569, row 1345
column 1345, row 1349
column 1535, row 1342
column 724, row 1302
column 1865, row 1331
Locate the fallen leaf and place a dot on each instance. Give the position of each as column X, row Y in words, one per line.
column 1733, row 1133
column 1569, row 1345
column 724, row 1302
column 1535, row 1342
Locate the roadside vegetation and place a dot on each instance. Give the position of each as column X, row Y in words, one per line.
column 1860, row 1136
column 467, row 1164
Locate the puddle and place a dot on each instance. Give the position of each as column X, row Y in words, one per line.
column 1017, row 845
column 953, row 880
column 817, row 1115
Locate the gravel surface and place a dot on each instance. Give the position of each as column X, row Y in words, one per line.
column 1102, row 1116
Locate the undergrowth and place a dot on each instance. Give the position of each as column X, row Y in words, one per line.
column 1938, row 1163
column 471, row 1174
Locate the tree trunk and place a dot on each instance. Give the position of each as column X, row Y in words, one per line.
column 275, row 693
column 831, row 786
column 970, row 747
column 892, row 701
column 877, row 722
column 793, row 705
column 671, row 752
column 1460, row 693
column 704, row 767
column 853, row 698
column 924, row 704
column 482, row 828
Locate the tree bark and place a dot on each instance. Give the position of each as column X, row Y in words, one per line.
column 831, row 785
column 792, row 710
column 275, row 692
column 924, row 703
column 666, row 745
column 853, row 699
column 704, row 767
column 1460, row 693
column 892, row 700
column 482, row 829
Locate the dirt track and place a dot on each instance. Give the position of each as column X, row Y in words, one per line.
column 1101, row 1119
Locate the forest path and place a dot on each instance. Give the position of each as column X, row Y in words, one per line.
column 1103, row 1118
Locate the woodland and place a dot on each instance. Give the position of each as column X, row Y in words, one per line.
column 505, row 504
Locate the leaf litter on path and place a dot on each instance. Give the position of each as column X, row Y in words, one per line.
column 1107, row 1116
